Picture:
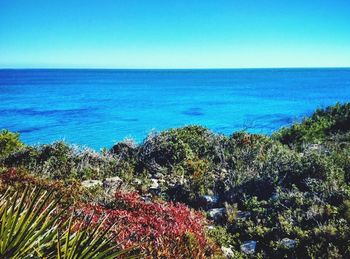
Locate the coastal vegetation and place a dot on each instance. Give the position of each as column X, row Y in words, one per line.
column 182, row 193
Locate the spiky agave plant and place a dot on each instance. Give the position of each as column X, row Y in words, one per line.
column 31, row 223
column 28, row 221
column 88, row 241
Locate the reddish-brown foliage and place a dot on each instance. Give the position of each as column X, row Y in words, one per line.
column 162, row 230
column 19, row 179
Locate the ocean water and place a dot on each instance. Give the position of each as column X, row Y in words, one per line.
column 97, row 108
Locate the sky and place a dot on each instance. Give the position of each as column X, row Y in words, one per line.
column 174, row 34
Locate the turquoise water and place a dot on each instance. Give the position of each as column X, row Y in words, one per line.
column 96, row 108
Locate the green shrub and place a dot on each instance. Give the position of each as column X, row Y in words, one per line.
column 321, row 125
column 9, row 142
column 222, row 237
column 62, row 161
column 176, row 146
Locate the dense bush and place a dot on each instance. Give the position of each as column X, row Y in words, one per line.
column 173, row 148
column 62, row 161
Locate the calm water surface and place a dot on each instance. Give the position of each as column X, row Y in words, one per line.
column 96, row 108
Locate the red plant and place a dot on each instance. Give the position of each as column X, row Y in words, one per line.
column 159, row 229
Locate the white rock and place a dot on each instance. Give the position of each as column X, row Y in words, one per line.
column 211, row 227
column 210, row 199
column 109, row 182
column 112, row 184
column 217, row 214
column 227, row 251
column 248, row 247
column 91, row 183
column 137, row 181
column 154, row 184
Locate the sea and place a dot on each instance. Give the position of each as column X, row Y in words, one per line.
column 96, row 108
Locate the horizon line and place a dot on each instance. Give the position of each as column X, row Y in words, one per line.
column 180, row 68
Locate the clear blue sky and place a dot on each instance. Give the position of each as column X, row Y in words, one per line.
column 174, row 34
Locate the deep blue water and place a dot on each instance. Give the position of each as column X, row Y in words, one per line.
column 96, row 108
